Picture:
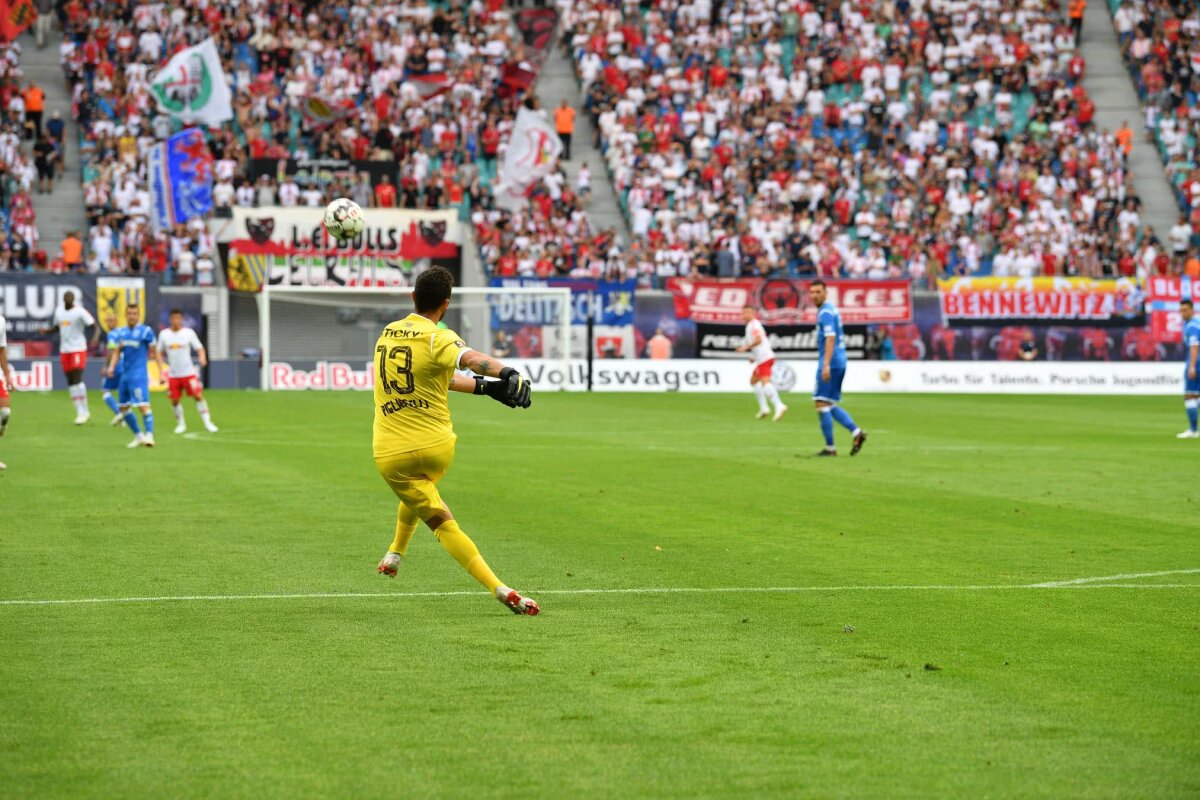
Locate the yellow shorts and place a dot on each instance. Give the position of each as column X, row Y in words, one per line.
column 413, row 476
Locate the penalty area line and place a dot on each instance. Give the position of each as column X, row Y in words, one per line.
column 1103, row 582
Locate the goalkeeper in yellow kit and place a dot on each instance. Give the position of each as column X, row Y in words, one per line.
column 413, row 440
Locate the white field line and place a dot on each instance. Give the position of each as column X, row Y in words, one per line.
column 1100, row 582
column 1111, row 578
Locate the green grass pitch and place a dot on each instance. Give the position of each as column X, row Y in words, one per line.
column 970, row 682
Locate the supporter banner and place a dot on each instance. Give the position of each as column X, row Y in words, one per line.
column 15, row 16
column 28, row 301
column 320, row 172
column 606, row 302
column 289, row 246
column 788, row 341
column 192, row 86
column 785, row 301
column 180, row 177
column 1061, row 301
column 1163, row 294
column 536, row 26
column 931, row 338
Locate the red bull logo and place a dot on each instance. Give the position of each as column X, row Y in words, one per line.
column 328, row 375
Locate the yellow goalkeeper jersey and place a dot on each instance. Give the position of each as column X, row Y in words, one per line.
column 414, row 364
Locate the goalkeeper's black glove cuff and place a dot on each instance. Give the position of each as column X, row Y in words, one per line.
column 479, row 382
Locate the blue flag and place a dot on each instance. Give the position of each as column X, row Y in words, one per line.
column 180, row 172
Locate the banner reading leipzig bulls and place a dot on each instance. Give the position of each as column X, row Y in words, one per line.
column 289, row 246
column 785, row 301
column 1163, row 294
column 1061, row 301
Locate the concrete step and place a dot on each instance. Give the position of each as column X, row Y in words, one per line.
column 555, row 82
column 62, row 209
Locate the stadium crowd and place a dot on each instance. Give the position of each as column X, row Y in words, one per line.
column 432, row 88
column 855, row 139
column 1160, row 41
column 28, row 158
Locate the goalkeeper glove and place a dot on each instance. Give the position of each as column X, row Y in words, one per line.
column 501, row 391
column 518, row 388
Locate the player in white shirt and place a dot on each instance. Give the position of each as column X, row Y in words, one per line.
column 763, row 358
column 6, row 379
column 72, row 322
column 176, row 343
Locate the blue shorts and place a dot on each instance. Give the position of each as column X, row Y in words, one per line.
column 1191, row 387
column 111, row 384
column 831, row 390
column 135, row 390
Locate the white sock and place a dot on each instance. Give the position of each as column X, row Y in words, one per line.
column 762, row 398
column 202, row 407
column 79, row 396
column 773, row 395
column 178, row 412
column 5, row 413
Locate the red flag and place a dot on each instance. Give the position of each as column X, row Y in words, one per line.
column 431, row 85
column 515, row 79
column 15, row 16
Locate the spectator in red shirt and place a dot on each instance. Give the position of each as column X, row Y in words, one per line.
column 385, row 193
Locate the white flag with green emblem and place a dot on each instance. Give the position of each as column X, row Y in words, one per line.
column 192, row 86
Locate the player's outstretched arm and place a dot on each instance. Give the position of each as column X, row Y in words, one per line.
column 512, row 389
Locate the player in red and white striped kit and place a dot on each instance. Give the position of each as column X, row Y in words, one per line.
column 763, row 358
column 176, row 343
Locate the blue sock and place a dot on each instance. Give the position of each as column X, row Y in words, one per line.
column 843, row 418
column 148, row 421
column 111, row 402
column 131, row 421
column 1193, row 416
column 826, row 426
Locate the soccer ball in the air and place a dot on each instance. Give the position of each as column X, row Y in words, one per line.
column 344, row 219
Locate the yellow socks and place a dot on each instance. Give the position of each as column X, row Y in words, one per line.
column 406, row 525
column 459, row 545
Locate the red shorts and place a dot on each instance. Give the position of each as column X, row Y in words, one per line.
column 3, row 389
column 178, row 386
column 763, row 371
column 73, row 361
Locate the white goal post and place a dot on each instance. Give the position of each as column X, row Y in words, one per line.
column 324, row 323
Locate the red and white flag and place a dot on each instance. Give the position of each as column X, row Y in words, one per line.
column 532, row 154
column 431, row 85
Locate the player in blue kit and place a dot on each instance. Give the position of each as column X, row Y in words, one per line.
column 1191, row 369
column 133, row 345
column 831, row 368
column 112, row 383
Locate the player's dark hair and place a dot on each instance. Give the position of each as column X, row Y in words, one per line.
column 1185, row 302
column 817, row 282
column 131, row 305
column 432, row 289
column 175, row 311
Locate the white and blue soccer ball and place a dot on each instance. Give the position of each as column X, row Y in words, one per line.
column 344, row 219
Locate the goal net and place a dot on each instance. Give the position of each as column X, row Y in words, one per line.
column 324, row 337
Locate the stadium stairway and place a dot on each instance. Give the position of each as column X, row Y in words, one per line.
column 1107, row 81
column 61, row 210
column 556, row 81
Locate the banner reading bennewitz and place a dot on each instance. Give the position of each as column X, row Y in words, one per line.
column 785, row 301
column 321, row 172
column 289, row 246
column 1054, row 300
